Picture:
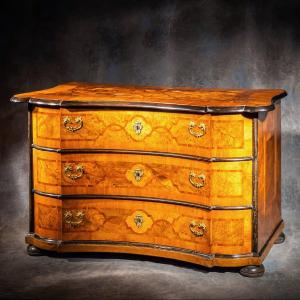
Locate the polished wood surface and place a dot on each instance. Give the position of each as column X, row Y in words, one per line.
column 93, row 94
column 226, row 232
column 211, row 261
column 223, row 136
column 188, row 174
column 269, row 174
column 225, row 183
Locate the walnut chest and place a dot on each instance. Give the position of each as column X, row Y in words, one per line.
column 181, row 173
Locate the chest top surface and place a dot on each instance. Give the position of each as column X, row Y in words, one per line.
column 179, row 99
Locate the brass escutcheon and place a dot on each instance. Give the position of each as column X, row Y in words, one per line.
column 200, row 178
column 138, row 174
column 74, row 218
column 138, row 127
column 197, row 229
column 201, row 127
column 70, row 173
column 69, row 123
column 138, row 220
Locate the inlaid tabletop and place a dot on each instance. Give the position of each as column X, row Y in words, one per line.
column 76, row 94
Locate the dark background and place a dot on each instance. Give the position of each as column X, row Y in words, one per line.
column 251, row 44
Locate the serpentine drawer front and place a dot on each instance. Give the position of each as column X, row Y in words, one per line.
column 190, row 134
column 207, row 183
column 184, row 227
column 181, row 173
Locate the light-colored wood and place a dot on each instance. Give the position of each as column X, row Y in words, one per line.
column 188, row 174
column 225, row 136
column 120, row 95
column 225, row 184
column 208, row 262
column 269, row 175
column 226, row 232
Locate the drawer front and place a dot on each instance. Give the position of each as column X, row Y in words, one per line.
column 215, row 183
column 225, row 232
column 197, row 135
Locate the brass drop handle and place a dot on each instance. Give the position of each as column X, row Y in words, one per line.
column 73, row 174
column 201, row 129
column 74, row 218
column 72, row 125
column 200, row 180
column 197, row 229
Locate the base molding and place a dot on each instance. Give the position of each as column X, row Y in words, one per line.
column 207, row 260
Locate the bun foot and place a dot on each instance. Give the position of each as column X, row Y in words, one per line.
column 33, row 251
column 280, row 239
column 253, row 271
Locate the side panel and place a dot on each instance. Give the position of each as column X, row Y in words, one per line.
column 269, row 174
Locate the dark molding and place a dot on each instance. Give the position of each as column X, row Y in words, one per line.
column 137, row 198
column 150, row 106
column 30, row 175
column 255, row 186
column 141, row 152
column 60, row 243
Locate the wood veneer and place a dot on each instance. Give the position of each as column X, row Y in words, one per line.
column 78, row 94
column 225, row 136
column 226, row 183
column 189, row 174
column 164, row 224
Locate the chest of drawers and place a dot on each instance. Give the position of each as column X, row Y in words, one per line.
column 187, row 174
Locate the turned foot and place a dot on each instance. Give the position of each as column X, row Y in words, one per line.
column 253, row 271
column 33, row 251
column 280, row 239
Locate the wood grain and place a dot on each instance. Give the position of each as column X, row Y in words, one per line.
column 75, row 93
column 226, row 183
column 226, row 232
column 269, row 174
column 214, row 260
column 224, row 136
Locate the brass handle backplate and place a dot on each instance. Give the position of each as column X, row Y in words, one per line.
column 201, row 129
column 138, row 220
column 73, row 174
column 197, row 229
column 200, row 180
column 74, row 218
column 73, row 125
column 138, row 127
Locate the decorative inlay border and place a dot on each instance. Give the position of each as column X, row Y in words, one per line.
column 155, row 153
column 137, row 198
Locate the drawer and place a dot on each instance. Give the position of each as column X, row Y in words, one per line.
column 207, row 183
column 189, row 134
column 225, row 232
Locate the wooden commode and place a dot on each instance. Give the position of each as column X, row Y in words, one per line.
column 182, row 173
